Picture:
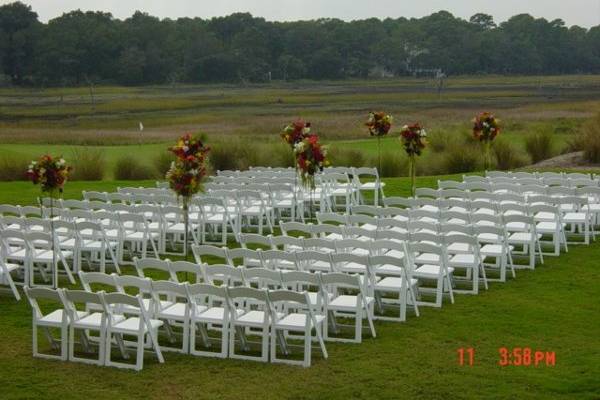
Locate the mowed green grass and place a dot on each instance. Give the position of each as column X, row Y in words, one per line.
column 553, row 309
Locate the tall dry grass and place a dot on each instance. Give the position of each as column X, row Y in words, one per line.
column 540, row 146
column 590, row 137
column 13, row 168
column 132, row 169
column 89, row 164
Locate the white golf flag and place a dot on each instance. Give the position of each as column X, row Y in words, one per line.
column 141, row 126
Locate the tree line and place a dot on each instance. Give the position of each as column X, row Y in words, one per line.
column 94, row 47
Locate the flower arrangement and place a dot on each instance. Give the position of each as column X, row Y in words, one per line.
column 186, row 174
column 51, row 173
column 485, row 129
column 187, row 171
column 295, row 132
column 414, row 140
column 311, row 157
column 379, row 123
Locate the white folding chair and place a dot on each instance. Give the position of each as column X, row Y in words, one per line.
column 258, row 319
column 209, row 310
column 390, row 276
column 429, row 262
column 57, row 319
column 95, row 321
column 120, row 323
column 343, row 304
column 298, row 316
column 175, row 314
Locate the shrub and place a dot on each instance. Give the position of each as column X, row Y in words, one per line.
column 131, row 169
column 440, row 140
column 392, row 164
column 162, row 163
column 540, row 146
column 460, row 158
column 507, row 155
column 575, row 142
column 590, row 136
column 88, row 164
column 13, row 169
column 347, row 157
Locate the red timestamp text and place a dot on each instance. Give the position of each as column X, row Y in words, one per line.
column 516, row 356
column 526, row 357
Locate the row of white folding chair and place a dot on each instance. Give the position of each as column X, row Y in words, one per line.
column 321, row 256
column 580, row 209
column 537, row 174
column 214, row 302
column 546, row 218
column 31, row 252
column 266, row 275
column 73, row 239
column 401, row 229
column 110, row 315
column 313, row 254
column 121, row 228
column 144, row 190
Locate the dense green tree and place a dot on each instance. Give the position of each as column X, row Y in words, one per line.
column 19, row 35
column 93, row 47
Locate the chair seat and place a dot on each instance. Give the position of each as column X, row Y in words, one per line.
column 516, row 226
column 430, row 271
column 319, row 266
column 488, row 238
column 314, row 297
column 393, row 283
column 214, row 315
column 371, row 185
column 395, row 253
column 10, row 268
column 215, row 218
column 521, row 237
column 297, row 322
column 427, row 258
column 458, row 248
column 592, row 207
column 253, row 318
column 357, row 251
column 140, row 235
column 547, row 227
column 352, row 268
column 93, row 321
column 575, row 218
column 55, row 318
column 463, row 260
column 96, row 245
column 45, row 256
column 131, row 326
column 176, row 311
column 388, row 269
column 346, row 303
column 545, row 216
column 492, row 250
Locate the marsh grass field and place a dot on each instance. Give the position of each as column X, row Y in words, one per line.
column 554, row 308
column 107, row 118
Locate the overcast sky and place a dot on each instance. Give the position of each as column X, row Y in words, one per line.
column 574, row 12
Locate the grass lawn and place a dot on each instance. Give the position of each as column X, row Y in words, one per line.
column 553, row 309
